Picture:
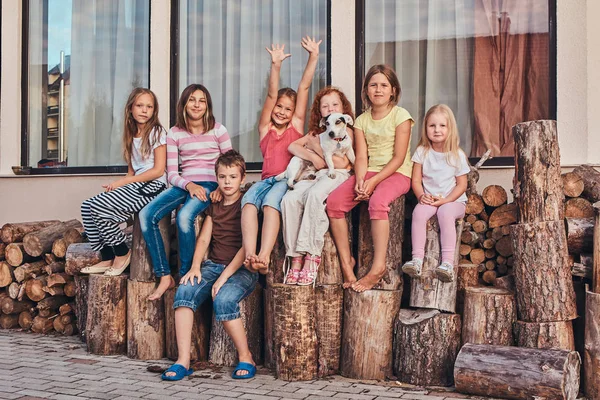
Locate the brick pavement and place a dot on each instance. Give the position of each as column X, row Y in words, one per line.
column 57, row 367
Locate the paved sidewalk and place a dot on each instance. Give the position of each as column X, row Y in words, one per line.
column 57, row 367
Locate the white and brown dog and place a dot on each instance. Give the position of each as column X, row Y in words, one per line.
column 334, row 140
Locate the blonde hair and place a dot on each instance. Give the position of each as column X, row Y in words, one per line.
column 150, row 132
column 452, row 144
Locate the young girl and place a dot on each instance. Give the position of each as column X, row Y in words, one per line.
column 145, row 152
column 439, row 182
column 303, row 209
column 382, row 172
column 197, row 140
column 280, row 124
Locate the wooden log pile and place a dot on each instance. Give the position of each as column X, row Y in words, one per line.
column 35, row 292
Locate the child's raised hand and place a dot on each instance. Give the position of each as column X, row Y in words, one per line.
column 277, row 53
column 311, row 45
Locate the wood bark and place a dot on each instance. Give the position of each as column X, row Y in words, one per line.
column 572, row 184
column 545, row 335
column 58, row 279
column 29, row 270
column 330, row 271
column 275, row 274
column 365, row 355
column 12, row 233
column 596, row 251
column 517, row 372
column 542, row 274
column 488, row 316
column 6, row 274
column 489, row 277
column 475, row 204
column 494, row 196
column 67, row 308
column 2, row 250
column 467, row 276
column 54, row 267
column 60, row 245
column 295, row 339
column 503, row 216
column 40, row 242
column 428, row 291
column 426, row 344
column 221, row 349
column 392, row 278
column 106, row 324
column 506, row 282
column 53, row 302
column 591, row 182
column 15, row 255
column 42, row 325
column 578, row 208
column 10, row 306
column 504, row 246
column 70, row 289
column 9, row 321
column 141, row 264
column 145, row 322
column 329, row 301
column 81, row 307
column 591, row 355
column 538, row 188
column 26, row 320
column 580, row 235
column 480, row 226
column 80, row 255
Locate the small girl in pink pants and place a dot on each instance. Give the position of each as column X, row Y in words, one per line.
column 439, row 180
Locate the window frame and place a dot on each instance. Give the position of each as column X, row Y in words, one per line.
column 251, row 167
column 360, row 29
column 83, row 170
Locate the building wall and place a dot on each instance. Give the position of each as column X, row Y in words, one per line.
column 34, row 198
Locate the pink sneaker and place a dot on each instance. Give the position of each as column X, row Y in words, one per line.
column 308, row 275
column 292, row 274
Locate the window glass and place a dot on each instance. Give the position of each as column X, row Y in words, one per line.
column 487, row 60
column 84, row 59
column 222, row 46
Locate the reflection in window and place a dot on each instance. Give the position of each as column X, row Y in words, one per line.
column 222, row 46
column 488, row 60
column 84, row 59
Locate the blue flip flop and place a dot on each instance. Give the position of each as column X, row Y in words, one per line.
column 180, row 373
column 244, row 366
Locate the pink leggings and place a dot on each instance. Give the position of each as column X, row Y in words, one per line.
column 447, row 214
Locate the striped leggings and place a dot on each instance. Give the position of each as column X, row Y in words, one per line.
column 103, row 213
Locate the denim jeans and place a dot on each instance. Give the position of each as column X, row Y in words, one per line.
column 226, row 304
column 163, row 204
column 267, row 192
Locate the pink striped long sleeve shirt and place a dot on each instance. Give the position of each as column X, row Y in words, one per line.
column 197, row 153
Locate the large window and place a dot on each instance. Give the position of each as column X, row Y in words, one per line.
column 84, row 57
column 222, row 46
column 489, row 60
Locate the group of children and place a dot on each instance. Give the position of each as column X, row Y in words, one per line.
column 212, row 175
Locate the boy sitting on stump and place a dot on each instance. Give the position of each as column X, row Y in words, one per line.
column 221, row 275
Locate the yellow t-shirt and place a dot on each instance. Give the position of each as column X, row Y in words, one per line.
column 380, row 135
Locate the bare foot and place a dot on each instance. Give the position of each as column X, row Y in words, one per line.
column 366, row 282
column 248, row 261
column 261, row 263
column 166, row 283
column 348, row 274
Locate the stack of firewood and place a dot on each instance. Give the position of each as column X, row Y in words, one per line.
column 35, row 291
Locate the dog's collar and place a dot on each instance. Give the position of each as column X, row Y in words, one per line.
column 340, row 139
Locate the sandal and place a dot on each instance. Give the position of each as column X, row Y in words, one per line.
column 180, row 373
column 292, row 274
column 244, row 366
column 308, row 275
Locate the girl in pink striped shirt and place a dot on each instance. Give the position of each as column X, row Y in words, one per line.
column 196, row 141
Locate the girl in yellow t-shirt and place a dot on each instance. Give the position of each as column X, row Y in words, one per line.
column 382, row 172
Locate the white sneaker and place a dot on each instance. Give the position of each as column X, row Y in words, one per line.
column 413, row 267
column 445, row 272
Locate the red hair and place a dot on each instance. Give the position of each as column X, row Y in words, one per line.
column 315, row 111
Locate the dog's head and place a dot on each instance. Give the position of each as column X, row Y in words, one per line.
column 335, row 125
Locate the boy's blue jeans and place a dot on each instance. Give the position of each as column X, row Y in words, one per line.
column 163, row 204
column 226, row 304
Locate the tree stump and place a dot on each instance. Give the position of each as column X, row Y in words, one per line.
column 330, row 271
column 488, row 316
column 12, row 233
column 81, row 307
column 145, row 322
column 40, row 242
column 329, row 301
column 275, row 274
column 106, row 324
column 426, row 343
column 542, row 273
column 591, row 182
column 596, row 249
column 591, row 355
column 200, row 330
column 428, row 291
column 270, row 354
column 141, row 264
column 392, row 279
column 366, row 355
column 467, row 276
column 80, row 255
column 545, row 335
column 295, row 341
column 222, row 351
column 538, row 188
column 580, row 235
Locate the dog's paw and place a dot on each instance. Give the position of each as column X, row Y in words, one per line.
column 331, row 175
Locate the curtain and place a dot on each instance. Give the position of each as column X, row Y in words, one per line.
column 109, row 57
column 429, row 43
column 222, row 46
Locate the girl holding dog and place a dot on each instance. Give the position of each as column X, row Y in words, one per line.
column 303, row 209
column 145, row 152
column 382, row 172
column 281, row 123
column 439, row 181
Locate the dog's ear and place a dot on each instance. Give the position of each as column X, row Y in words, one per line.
column 348, row 119
column 322, row 122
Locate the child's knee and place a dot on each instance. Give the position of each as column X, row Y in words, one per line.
column 185, row 220
column 378, row 207
column 226, row 308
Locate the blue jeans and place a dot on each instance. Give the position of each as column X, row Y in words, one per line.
column 163, row 204
column 226, row 304
column 267, row 192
